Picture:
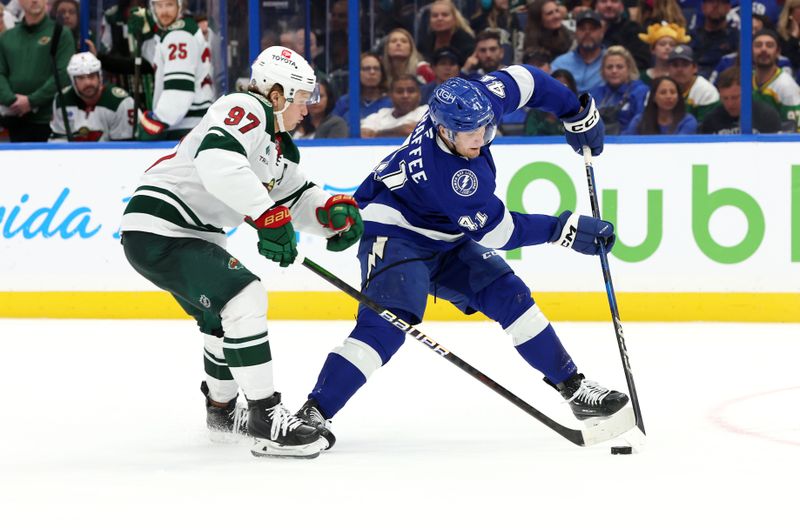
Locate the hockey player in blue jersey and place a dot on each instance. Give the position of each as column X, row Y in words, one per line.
column 432, row 221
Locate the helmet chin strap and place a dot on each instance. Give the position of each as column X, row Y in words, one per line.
column 279, row 116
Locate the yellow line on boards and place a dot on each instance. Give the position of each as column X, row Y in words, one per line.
column 558, row 306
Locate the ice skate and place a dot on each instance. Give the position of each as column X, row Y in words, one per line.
column 311, row 415
column 225, row 424
column 279, row 433
column 588, row 399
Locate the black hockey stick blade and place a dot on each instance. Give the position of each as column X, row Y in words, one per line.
column 597, row 432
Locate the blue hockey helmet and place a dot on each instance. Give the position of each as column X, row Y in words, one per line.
column 459, row 106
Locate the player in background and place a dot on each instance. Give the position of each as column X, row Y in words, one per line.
column 238, row 164
column 183, row 82
column 96, row 112
column 432, row 225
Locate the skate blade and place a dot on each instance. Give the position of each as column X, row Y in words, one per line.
column 268, row 448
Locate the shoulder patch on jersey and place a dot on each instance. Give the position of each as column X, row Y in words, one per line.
column 116, row 91
column 178, row 24
column 497, row 88
column 465, row 182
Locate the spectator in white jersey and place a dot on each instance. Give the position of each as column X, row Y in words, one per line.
column 402, row 117
column 94, row 112
column 700, row 96
column 183, row 78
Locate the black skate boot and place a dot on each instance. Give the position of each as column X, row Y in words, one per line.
column 311, row 415
column 224, row 422
column 588, row 399
column 279, row 433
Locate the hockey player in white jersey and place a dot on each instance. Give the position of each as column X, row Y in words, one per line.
column 238, row 163
column 95, row 112
column 184, row 88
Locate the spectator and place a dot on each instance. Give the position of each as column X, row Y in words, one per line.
column 373, row 88
column 789, row 31
column 622, row 95
column 725, row 118
column 447, row 27
column 665, row 112
column 584, row 62
column 446, row 65
column 714, row 39
column 65, row 12
column 321, row 122
column 403, row 116
column 6, row 19
column 662, row 39
column 622, row 31
column 541, row 123
column 540, row 58
column 400, row 56
column 699, row 94
column 498, row 17
column 94, row 112
column 27, row 84
column 661, row 11
column 773, row 85
column 545, row 29
column 488, row 56
column 732, row 59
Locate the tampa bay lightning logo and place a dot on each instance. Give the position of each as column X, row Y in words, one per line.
column 465, row 183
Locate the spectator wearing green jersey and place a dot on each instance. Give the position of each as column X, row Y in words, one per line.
column 27, row 85
column 700, row 96
column 771, row 84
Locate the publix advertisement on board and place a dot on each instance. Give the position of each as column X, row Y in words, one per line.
column 693, row 217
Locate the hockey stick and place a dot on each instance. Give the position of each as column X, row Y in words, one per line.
column 59, row 89
column 601, row 431
column 612, row 298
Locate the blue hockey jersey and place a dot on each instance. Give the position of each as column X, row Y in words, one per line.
column 426, row 193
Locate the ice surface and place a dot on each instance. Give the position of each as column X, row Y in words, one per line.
column 103, row 425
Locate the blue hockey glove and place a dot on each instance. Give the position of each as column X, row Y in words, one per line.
column 586, row 127
column 340, row 213
column 581, row 233
column 276, row 239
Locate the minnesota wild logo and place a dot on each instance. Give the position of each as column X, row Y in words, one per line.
column 234, row 264
column 44, row 41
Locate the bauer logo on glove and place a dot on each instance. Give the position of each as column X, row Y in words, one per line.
column 340, row 214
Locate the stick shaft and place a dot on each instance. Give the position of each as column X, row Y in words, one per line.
column 612, row 298
column 574, row 436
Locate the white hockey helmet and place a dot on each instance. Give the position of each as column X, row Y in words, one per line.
column 279, row 65
column 83, row 64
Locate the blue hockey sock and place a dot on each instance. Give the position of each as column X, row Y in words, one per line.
column 545, row 353
column 371, row 344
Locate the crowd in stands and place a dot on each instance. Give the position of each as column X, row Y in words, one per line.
column 652, row 66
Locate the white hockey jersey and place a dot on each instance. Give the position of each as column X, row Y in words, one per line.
column 231, row 165
column 111, row 119
column 184, row 87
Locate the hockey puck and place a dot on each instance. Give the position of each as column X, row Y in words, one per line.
column 621, row 450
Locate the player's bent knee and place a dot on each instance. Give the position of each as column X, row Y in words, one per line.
column 245, row 314
column 379, row 334
column 528, row 325
column 362, row 356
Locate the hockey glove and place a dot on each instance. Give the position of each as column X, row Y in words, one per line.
column 340, row 213
column 150, row 123
column 586, row 127
column 140, row 23
column 581, row 233
column 276, row 239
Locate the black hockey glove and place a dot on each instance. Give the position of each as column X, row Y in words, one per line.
column 276, row 238
column 340, row 213
column 581, row 233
